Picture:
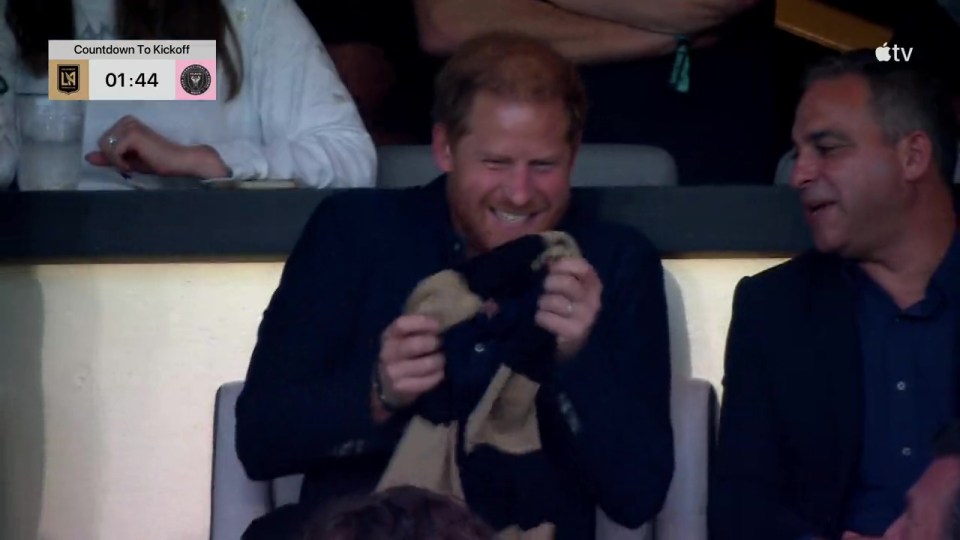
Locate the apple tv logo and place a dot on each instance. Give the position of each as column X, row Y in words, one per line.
column 883, row 53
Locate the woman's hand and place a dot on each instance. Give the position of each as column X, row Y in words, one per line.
column 131, row 146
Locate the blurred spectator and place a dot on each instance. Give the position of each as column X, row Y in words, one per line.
column 710, row 104
column 933, row 503
column 375, row 47
column 281, row 111
column 399, row 513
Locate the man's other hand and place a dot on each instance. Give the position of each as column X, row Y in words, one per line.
column 570, row 304
column 411, row 362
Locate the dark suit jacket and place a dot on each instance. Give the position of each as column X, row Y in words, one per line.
column 305, row 405
column 791, row 423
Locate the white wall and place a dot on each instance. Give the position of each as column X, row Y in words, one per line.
column 108, row 374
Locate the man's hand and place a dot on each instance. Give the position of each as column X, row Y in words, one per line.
column 131, row 146
column 410, row 361
column 570, row 303
column 898, row 530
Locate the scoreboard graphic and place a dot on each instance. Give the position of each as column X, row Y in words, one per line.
column 121, row 70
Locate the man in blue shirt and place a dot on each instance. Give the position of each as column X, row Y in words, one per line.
column 842, row 363
column 337, row 370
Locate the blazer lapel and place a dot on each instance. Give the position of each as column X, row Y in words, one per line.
column 837, row 347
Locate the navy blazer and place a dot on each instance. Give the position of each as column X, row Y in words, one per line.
column 792, row 419
column 305, row 407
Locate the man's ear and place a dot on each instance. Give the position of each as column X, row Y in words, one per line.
column 916, row 155
column 442, row 150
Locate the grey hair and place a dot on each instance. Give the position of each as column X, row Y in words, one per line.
column 903, row 100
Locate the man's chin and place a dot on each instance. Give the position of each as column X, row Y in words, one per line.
column 824, row 247
column 828, row 245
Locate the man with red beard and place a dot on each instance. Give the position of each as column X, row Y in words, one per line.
column 338, row 369
column 842, row 364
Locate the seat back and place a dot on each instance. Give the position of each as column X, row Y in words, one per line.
column 235, row 500
column 624, row 165
column 403, row 166
column 785, row 168
column 286, row 490
column 693, row 406
column 598, row 165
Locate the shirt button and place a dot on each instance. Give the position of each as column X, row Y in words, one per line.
column 906, row 451
column 479, row 348
column 566, row 409
column 901, row 386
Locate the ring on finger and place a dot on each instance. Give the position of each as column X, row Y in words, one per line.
column 112, row 141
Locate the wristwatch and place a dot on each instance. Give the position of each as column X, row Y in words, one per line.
column 378, row 390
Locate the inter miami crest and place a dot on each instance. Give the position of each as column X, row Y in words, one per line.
column 68, row 78
column 195, row 80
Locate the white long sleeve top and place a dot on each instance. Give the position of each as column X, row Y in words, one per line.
column 293, row 119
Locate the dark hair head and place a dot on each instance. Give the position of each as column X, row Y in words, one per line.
column 510, row 66
column 35, row 22
column 903, row 100
column 399, row 513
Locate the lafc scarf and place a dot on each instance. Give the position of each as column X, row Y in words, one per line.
column 505, row 417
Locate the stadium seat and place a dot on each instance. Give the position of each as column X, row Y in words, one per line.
column 597, row 165
column 236, row 500
column 785, row 168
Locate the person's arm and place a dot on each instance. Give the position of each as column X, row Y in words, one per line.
column 444, row 24
column 674, row 17
column 612, row 399
column 745, row 497
column 306, row 393
column 311, row 131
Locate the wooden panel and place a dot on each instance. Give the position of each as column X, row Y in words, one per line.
column 829, row 26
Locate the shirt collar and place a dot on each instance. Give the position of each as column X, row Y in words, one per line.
column 437, row 211
column 945, row 280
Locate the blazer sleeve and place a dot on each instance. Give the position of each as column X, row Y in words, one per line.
column 614, row 397
column 745, row 499
column 307, row 394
